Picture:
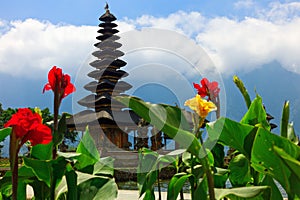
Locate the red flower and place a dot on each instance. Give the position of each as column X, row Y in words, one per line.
column 59, row 83
column 209, row 89
column 28, row 126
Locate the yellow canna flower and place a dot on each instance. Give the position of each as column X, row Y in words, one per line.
column 200, row 106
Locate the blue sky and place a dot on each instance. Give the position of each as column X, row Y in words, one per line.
column 238, row 35
column 83, row 12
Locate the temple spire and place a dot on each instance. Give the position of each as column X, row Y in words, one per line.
column 106, row 7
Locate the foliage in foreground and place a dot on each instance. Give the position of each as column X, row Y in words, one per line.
column 80, row 175
column 261, row 156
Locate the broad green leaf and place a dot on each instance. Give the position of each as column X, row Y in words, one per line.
column 4, row 133
column 6, row 191
column 274, row 191
column 242, row 192
column 266, row 160
column 42, row 151
column 233, row 134
column 175, row 185
column 108, row 192
column 239, row 168
column 89, row 152
column 146, row 172
column 290, row 162
column 22, row 172
column 168, row 119
column 285, row 119
column 218, row 154
column 220, row 177
column 104, row 166
column 40, row 189
column 42, row 169
column 59, row 168
column 201, row 192
column 149, row 181
column 90, row 187
column 243, row 90
column 45, row 170
column 256, row 114
column 149, row 195
column 21, row 190
column 96, row 188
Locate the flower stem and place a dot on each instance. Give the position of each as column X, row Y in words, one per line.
column 210, row 178
column 205, row 163
column 13, row 155
column 55, row 119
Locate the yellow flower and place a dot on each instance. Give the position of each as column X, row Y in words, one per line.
column 200, row 106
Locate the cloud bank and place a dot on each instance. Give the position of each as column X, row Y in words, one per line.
column 30, row 48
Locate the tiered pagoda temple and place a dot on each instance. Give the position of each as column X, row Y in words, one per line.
column 109, row 123
column 101, row 107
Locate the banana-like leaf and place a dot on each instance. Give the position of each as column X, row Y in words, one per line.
column 4, row 133
column 253, row 192
column 169, row 119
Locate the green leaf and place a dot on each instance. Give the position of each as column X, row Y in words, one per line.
column 243, row 90
column 285, row 119
column 89, row 153
column 90, row 187
column 175, row 185
column 266, row 160
column 166, row 118
column 45, row 170
column 274, row 192
column 242, row 192
column 202, row 190
column 218, row 154
column 96, row 188
column 42, row 169
column 42, row 151
column 104, row 167
column 256, row 115
column 21, row 190
column 41, row 190
column 233, row 134
column 147, row 172
column 290, row 162
column 239, row 168
column 220, row 177
column 108, row 192
column 4, row 133
column 71, row 178
column 59, row 168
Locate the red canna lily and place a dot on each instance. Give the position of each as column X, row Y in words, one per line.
column 59, row 83
column 28, row 126
column 209, row 89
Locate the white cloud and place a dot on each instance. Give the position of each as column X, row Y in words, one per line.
column 182, row 22
column 280, row 12
column 30, row 48
column 241, row 44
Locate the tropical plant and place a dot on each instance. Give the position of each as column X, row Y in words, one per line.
column 262, row 158
column 53, row 174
